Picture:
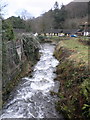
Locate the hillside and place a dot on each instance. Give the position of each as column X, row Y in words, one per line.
column 69, row 16
column 77, row 13
column 77, row 9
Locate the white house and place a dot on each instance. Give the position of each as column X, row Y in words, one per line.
column 87, row 32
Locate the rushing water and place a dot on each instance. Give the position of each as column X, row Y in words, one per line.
column 32, row 97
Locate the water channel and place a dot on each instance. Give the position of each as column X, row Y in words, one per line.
column 32, row 98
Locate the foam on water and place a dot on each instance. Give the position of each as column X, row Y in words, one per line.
column 32, row 98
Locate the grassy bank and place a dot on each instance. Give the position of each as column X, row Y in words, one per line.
column 73, row 74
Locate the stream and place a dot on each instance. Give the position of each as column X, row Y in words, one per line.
column 32, row 98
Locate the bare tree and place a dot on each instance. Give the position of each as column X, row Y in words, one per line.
column 56, row 5
column 24, row 14
column 2, row 6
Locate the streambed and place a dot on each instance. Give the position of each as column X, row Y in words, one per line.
column 32, row 98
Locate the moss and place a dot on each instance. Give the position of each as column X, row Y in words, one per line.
column 31, row 48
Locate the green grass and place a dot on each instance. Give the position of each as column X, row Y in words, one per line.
column 80, row 51
column 84, row 38
column 73, row 74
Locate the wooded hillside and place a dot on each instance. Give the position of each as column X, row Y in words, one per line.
column 68, row 16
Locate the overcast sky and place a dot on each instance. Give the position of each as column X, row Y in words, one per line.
column 34, row 7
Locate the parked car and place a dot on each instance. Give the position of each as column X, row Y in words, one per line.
column 73, row 36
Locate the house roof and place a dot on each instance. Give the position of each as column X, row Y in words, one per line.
column 69, row 31
column 61, row 31
column 82, row 30
column 53, row 31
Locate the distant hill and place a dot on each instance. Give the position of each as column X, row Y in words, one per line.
column 77, row 9
column 68, row 17
column 77, row 13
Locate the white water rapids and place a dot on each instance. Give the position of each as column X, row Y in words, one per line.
column 32, row 97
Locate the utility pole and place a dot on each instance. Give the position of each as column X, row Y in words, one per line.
column 85, row 28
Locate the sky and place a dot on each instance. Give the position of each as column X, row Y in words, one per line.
column 34, row 7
